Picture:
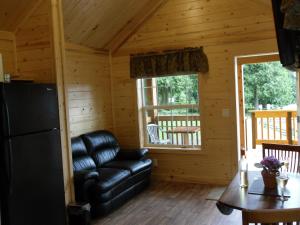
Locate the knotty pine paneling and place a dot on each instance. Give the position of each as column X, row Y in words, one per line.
column 7, row 49
column 94, row 23
column 226, row 29
column 12, row 13
column 34, row 46
column 89, row 93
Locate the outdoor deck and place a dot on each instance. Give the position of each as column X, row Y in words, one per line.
column 271, row 126
column 179, row 129
column 263, row 126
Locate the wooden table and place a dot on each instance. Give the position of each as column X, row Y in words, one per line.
column 185, row 131
column 238, row 198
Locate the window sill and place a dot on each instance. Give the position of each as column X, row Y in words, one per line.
column 184, row 151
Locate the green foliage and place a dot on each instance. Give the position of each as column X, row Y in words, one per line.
column 268, row 83
column 177, row 90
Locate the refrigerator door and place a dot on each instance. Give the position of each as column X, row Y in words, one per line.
column 28, row 108
column 35, row 191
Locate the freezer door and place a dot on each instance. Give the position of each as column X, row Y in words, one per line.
column 36, row 191
column 28, row 108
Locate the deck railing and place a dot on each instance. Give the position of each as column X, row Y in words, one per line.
column 168, row 123
column 274, row 126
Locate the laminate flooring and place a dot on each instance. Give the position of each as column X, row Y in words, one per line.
column 167, row 203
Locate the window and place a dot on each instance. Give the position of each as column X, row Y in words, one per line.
column 169, row 108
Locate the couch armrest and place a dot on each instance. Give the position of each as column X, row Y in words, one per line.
column 132, row 154
column 83, row 181
column 83, row 176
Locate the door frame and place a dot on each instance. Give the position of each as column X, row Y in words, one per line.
column 240, row 61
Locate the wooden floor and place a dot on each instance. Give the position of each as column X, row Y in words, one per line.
column 166, row 203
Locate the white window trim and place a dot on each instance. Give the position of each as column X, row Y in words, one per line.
column 143, row 133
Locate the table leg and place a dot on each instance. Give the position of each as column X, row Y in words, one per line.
column 185, row 139
column 224, row 209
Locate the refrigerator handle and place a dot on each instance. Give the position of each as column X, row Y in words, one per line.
column 6, row 119
column 8, row 149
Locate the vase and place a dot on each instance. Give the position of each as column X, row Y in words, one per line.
column 269, row 178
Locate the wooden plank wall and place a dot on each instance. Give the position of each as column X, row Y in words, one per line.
column 88, row 87
column 226, row 29
column 7, row 49
column 34, row 46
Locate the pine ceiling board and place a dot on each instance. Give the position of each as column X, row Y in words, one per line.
column 257, row 5
column 208, row 22
column 265, row 3
column 93, row 23
column 134, row 24
column 116, row 23
column 12, row 12
column 198, row 13
column 81, row 18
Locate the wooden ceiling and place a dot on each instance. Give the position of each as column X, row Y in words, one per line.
column 100, row 24
column 202, row 22
column 12, row 13
column 94, row 23
column 107, row 24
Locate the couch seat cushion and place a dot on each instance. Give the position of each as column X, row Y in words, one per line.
column 110, row 177
column 134, row 166
column 123, row 186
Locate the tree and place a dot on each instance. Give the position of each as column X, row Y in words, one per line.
column 177, row 89
column 268, row 83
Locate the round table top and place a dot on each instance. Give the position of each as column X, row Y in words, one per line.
column 238, row 198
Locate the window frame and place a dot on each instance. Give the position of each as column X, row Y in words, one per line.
column 142, row 118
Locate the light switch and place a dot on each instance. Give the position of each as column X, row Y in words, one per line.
column 225, row 113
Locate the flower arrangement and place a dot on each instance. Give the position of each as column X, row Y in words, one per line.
column 271, row 164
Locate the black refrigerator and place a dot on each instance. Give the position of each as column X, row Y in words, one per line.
column 32, row 188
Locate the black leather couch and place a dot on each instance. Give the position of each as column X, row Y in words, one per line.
column 104, row 175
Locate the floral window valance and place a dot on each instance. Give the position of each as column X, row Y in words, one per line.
column 291, row 10
column 181, row 62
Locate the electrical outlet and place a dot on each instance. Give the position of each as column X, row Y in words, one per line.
column 155, row 162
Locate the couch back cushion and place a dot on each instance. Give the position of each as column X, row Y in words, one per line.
column 102, row 145
column 81, row 159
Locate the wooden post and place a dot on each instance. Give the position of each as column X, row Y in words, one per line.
column 154, row 98
column 243, row 129
column 297, row 137
column 289, row 128
column 151, row 99
column 254, row 129
column 58, row 45
column 1, row 69
column 185, row 137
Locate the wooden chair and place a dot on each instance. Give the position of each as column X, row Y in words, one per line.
column 272, row 217
column 292, row 152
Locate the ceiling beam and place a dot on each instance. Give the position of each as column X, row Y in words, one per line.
column 134, row 24
column 80, row 48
